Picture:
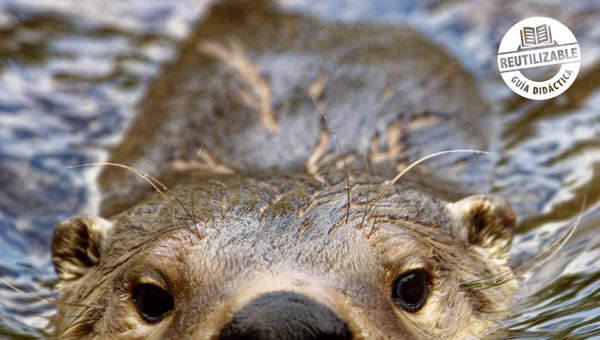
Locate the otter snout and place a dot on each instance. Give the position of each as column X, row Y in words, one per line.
column 285, row 316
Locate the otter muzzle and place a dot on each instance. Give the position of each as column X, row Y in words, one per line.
column 285, row 316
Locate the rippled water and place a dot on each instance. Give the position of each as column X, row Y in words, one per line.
column 72, row 73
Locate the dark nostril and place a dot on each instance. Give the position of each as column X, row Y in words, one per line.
column 285, row 316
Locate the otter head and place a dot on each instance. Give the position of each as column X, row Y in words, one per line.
column 253, row 259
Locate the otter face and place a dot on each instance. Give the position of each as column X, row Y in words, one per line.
column 250, row 259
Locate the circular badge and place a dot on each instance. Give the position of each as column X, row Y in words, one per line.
column 539, row 42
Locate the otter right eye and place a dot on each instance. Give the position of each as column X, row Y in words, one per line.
column 411, row 290
column 152, row 302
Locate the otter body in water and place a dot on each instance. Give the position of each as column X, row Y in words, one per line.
column 276, row 228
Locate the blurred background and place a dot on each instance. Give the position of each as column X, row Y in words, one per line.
column 74, row 73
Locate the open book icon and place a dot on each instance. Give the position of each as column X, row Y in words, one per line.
column 533, row 36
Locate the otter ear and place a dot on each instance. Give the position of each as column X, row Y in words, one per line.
column 486, row 221
column 77, row 245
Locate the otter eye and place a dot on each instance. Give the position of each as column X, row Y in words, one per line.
column 411, row 290
column 152, row 302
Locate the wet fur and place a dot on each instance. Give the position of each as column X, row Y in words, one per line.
column 287, row 219
column 405, row 217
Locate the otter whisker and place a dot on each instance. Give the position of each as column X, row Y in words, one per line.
column 193, row 212
column 343, row 155
column 155, row 183
column 531, row 264
column 75, row 324
column 368, row 189
column 373, row 227
column 414, row 164
column 43, row 299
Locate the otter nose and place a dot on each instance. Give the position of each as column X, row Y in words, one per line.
column 285, row 316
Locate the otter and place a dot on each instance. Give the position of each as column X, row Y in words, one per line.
column 273, row 137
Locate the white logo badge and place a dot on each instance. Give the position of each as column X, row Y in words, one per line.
column 537, row 42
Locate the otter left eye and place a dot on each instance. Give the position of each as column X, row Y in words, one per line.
column 152, row 302
column 411, row 290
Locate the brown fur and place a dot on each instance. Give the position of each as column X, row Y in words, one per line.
column 276, row 202
column 234, row 259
